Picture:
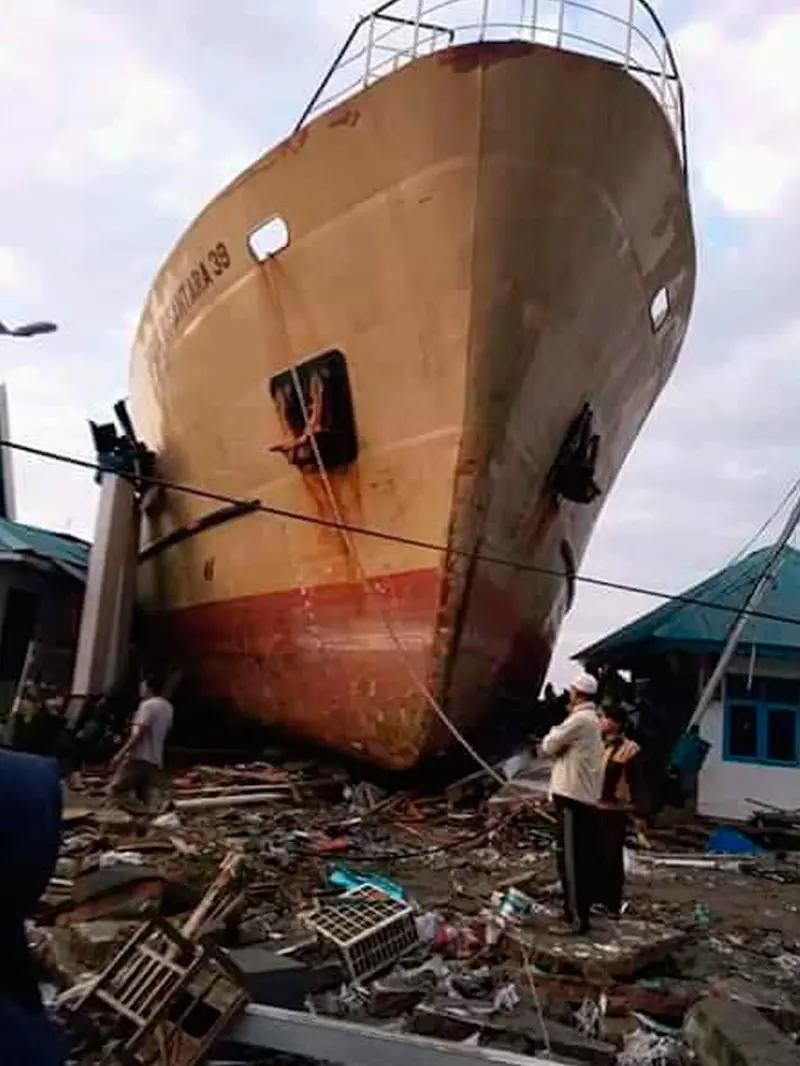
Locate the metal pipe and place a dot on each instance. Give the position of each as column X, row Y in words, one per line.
column 560, row 30
column 629, row 41
column 206, row 803
column 370, row 43
column 417, row 23
column 484, row 18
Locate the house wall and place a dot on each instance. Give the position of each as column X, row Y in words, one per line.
column 724, row 786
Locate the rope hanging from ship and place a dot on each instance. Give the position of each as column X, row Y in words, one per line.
column 311, row 426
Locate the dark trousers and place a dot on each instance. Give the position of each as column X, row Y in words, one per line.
column 576, row 857
column 612, row 828
column 136, row 781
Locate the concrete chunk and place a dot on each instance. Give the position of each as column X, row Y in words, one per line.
column 270, row 979
column 724, row 1033
column 616, row 950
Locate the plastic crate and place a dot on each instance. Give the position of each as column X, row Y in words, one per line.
column 370, row 930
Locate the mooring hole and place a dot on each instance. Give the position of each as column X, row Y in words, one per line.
column 659, row 308
column 268, row 239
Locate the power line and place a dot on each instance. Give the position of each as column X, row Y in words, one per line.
column 395, row 538
column 743, row 580
column 793, row 488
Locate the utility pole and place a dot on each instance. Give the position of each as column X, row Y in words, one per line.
column 750, row 604
column 8, row 507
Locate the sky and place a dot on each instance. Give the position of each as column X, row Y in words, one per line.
column 119, row 120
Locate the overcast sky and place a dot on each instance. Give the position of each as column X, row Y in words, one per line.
column 120, row 118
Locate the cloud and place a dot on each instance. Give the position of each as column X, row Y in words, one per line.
column 742, row 60
column 17, row 274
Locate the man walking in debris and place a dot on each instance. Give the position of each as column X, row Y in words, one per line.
column 576, row 747
column 30, row 828
column 138, row 764
column 623, row 791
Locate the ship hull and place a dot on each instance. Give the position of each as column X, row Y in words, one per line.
column 481, row 235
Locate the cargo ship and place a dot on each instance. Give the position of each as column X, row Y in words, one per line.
column 407, row 352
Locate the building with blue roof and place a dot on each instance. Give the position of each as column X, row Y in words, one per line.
column 753, row 723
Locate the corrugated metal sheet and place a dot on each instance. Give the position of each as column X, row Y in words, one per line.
column 66, row 553
column 679, row 625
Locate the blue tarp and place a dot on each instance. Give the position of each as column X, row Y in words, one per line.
column 727, row 841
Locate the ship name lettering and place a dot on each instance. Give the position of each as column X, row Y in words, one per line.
column 200, row 278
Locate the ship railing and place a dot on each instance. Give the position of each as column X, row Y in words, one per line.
column 627, row 33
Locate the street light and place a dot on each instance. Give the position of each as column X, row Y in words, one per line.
column 30, row 329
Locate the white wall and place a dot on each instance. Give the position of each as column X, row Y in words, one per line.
column 724, row 787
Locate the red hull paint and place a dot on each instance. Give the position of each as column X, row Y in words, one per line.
column 283, row 656
column 286, row 656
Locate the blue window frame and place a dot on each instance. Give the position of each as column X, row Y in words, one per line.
column 762, row 722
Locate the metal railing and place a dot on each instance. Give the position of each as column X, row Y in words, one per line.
column 627, row 33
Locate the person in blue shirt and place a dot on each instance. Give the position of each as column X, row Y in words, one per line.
column 30, row 833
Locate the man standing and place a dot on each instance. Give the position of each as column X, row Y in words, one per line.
column 576, row 747
column 137, row 765
column 623, row 790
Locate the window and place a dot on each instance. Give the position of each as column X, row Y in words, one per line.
column 762, row 721
column 781, row 735
column 742, row 731
column 659, row 309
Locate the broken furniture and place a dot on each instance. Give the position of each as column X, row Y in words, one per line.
column 370, row 930
column 166, row 1000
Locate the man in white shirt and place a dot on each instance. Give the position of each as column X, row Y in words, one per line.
column 576, row 780
column 137, row 765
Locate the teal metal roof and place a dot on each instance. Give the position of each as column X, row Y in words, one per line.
column 676, row 625
column 64, row 552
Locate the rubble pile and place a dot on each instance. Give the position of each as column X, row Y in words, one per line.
column 430, row 915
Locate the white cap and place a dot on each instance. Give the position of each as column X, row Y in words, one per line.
column 586, row 685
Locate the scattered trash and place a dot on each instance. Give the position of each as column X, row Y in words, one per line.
column 789, row 965
column 440, row 919
column 169, row 820
column 644, row 863
column 506, row 998
column 120, row 858
column 588, row 1018
column 701, row 913
column 643, row 1048
column 342, row 877
column 427, row 926
column 518, row 764
column 515, row 904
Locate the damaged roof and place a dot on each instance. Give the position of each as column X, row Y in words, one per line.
column 20, row 543
column 687, row 626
